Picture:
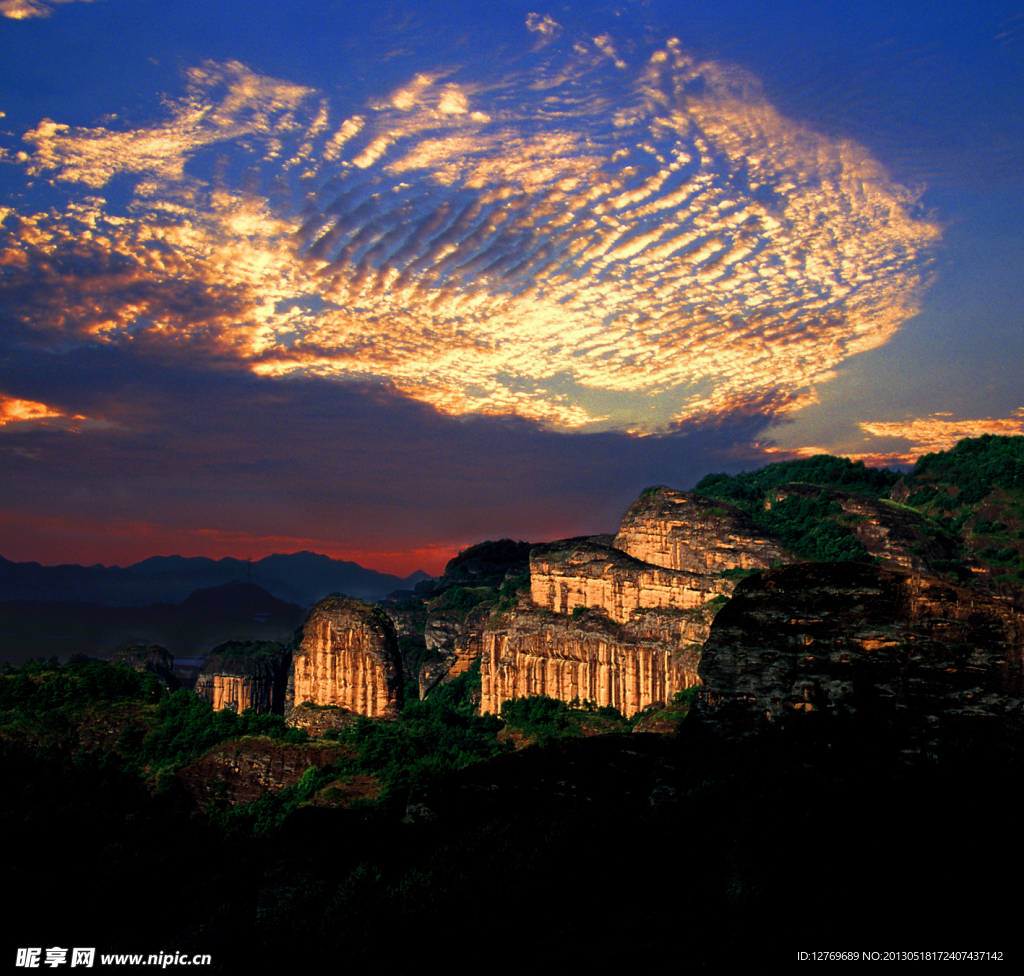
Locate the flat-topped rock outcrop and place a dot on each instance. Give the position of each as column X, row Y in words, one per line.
column 152, row 658
column 348, row 657
column 245, row 674
column 851, row 639
column 623, row 624
column 682, row 531
column 582, row 573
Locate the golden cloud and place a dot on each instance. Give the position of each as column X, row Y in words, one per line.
column 223, row 104
column 12, row 410
column 938, row 432
column 546, row 26
column 25, row 9
column 656, row 237
column 21, row 412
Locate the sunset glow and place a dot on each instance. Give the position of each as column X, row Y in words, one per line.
column 363, row 291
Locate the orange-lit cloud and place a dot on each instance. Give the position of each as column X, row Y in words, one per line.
column 877, row 459
column 20, row 412
column 588, row 244
column 938, row 433
column 926, row 435
column 12, row 410
column 25, row 9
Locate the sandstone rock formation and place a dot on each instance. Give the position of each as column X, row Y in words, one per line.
column 588, row 656
column 619, row 624
column 623, row 624
column 348, row 657
column 458, row 639
column 152, row 658
column 582, row 573
column 651, row 596
column 440, row 624
column 245, row 674
column 850, row 639
column 683, row 531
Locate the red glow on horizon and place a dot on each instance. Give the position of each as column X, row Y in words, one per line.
column 55, row 541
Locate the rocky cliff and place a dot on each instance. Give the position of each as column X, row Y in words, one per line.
column 457, row 640
column 440, row 624
column 348, row 657
column 588, row 656
column 583, row 573
column 622, row 624
column 152, row 658
column 245, row 674
column 845, row 639
column 683, row 531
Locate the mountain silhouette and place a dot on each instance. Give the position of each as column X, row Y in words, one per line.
column 301, row 577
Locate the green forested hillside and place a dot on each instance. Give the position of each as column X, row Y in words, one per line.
column 812, row 527
column 972, row 493
column 976, row 491
column 969, row 472
column 748, row 489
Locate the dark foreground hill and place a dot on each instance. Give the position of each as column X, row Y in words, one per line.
column 389, row 842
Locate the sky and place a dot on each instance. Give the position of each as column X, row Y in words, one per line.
column 383, row 280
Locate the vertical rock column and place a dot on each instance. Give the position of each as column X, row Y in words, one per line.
column 348, row 657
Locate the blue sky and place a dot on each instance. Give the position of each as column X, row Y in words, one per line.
column 384, row 281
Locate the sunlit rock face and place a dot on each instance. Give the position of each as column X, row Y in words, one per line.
column 348, row 657
column 854, row 640
column 623, row 624
column 237, row 676
column 531, row 651
column 582, row 573
column 682, row 531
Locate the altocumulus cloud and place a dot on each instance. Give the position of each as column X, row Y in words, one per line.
column 586, row 241
column 24, row 9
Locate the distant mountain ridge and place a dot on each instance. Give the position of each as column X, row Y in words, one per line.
column 301, row 577
column 189, row 629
